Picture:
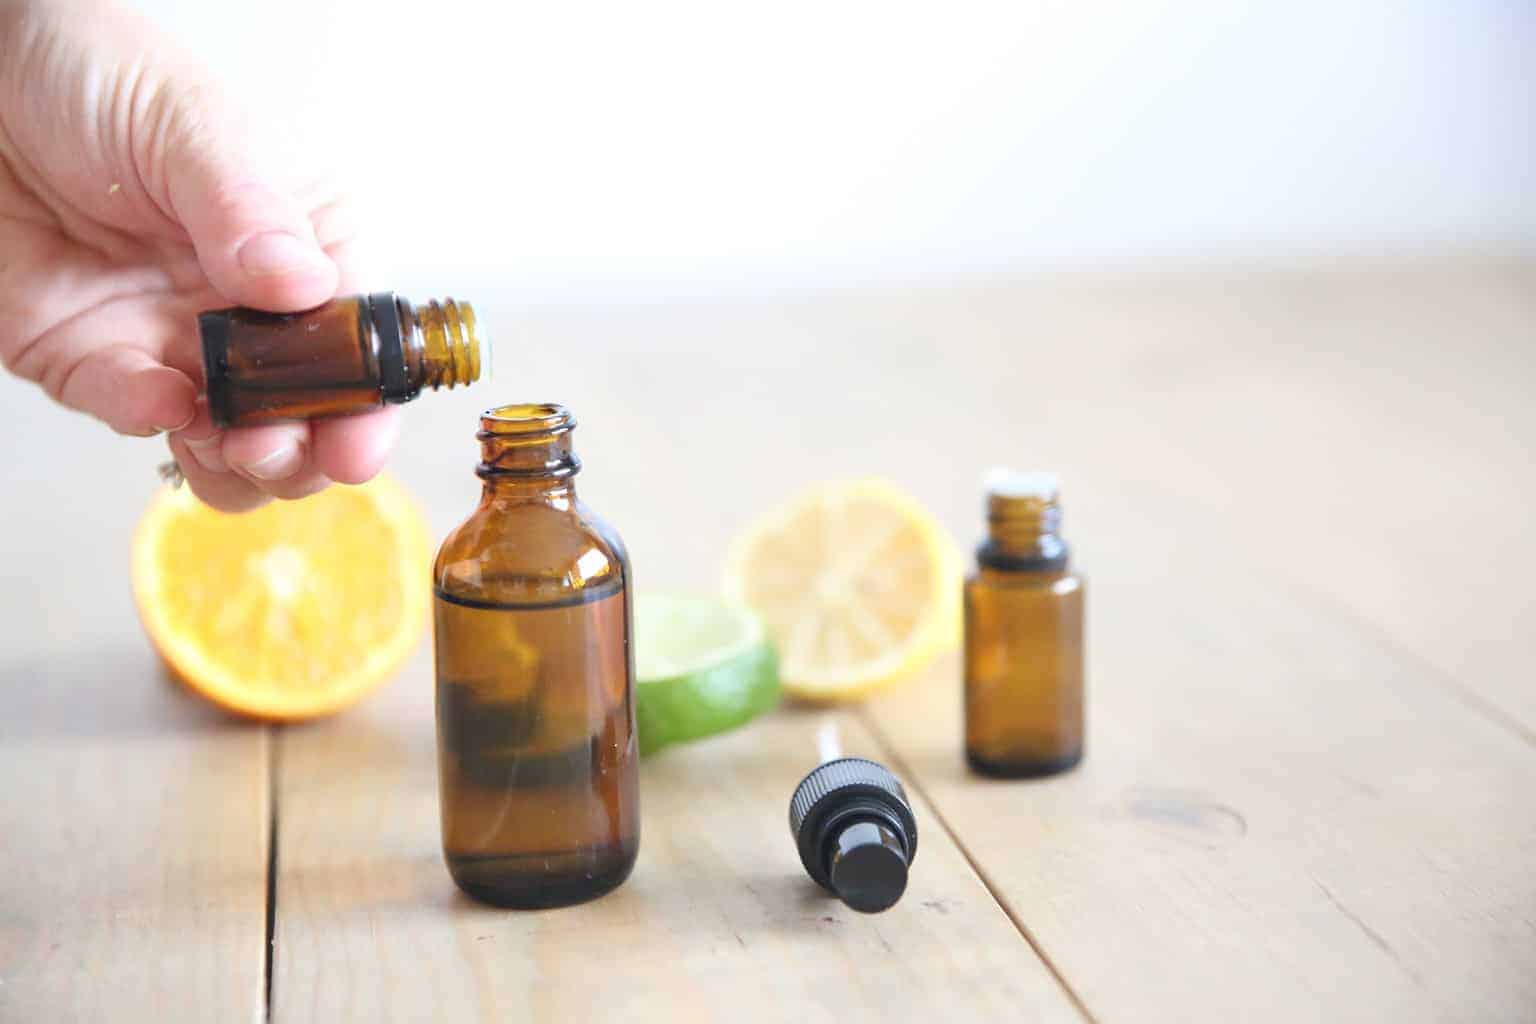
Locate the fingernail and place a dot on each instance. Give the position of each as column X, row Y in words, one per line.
column 278, row 252
column 209, row 453
column 279, row 464
column 178, row 426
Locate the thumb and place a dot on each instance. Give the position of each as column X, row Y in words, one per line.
column 254, row 241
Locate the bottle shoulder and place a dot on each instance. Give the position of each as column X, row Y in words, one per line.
column 530, row 552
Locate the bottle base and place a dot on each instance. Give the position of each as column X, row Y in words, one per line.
column 1031, row 769
column 526, row 882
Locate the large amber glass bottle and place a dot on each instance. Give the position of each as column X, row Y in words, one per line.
column 1023, row 636
column 537, row 759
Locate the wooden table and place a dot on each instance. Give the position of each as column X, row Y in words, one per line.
column 1303, row 501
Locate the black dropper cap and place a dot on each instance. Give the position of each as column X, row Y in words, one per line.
column 855, row 831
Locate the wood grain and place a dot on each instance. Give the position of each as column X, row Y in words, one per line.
column 133, row 853
column 1369, row 439
column 718, row 922
column 135, row 858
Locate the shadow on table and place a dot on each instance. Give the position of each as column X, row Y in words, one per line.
column 98, row 692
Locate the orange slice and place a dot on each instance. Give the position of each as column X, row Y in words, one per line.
column 293, row 611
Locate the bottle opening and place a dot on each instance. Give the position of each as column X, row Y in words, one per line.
column 527, row 439
column 527, row 418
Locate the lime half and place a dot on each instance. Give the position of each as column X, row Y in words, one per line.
column 701, row 666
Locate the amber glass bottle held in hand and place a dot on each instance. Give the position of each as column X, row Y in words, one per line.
column 537, row 757
column 1023, row 636
column 348, row 356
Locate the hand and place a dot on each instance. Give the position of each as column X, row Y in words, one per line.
column 132, row 196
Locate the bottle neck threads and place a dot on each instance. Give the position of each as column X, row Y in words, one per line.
column 441, row 340
column 1023, row 523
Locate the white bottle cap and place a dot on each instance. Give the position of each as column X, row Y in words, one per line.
column 1001, row 482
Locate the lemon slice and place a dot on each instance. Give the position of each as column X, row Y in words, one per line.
column 293, row 611
column 858, row 584
column 701, row 666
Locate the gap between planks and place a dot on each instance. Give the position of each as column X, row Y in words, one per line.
column 274, row 735
column 910, row 779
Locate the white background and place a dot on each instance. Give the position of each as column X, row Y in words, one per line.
column 595, row 151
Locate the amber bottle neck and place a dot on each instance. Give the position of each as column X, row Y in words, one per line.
column 438, row 340
column 526, row 454
column 1023, row 533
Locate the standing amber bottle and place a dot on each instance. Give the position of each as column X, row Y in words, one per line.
column 1023, row 637
column 348, row 356
column 538, row 764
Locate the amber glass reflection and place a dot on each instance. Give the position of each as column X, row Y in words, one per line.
column 1023, row 644
column 538, row 764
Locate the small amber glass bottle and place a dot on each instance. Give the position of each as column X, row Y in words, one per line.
column 348, row 356
column 537, row 756
column 1023, row 636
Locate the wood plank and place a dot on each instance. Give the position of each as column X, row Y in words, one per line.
column 718, row 922
column 132, row 817
column 1279, row 818
column 1370, row 437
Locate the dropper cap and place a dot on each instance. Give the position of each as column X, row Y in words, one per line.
column 855, row 831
